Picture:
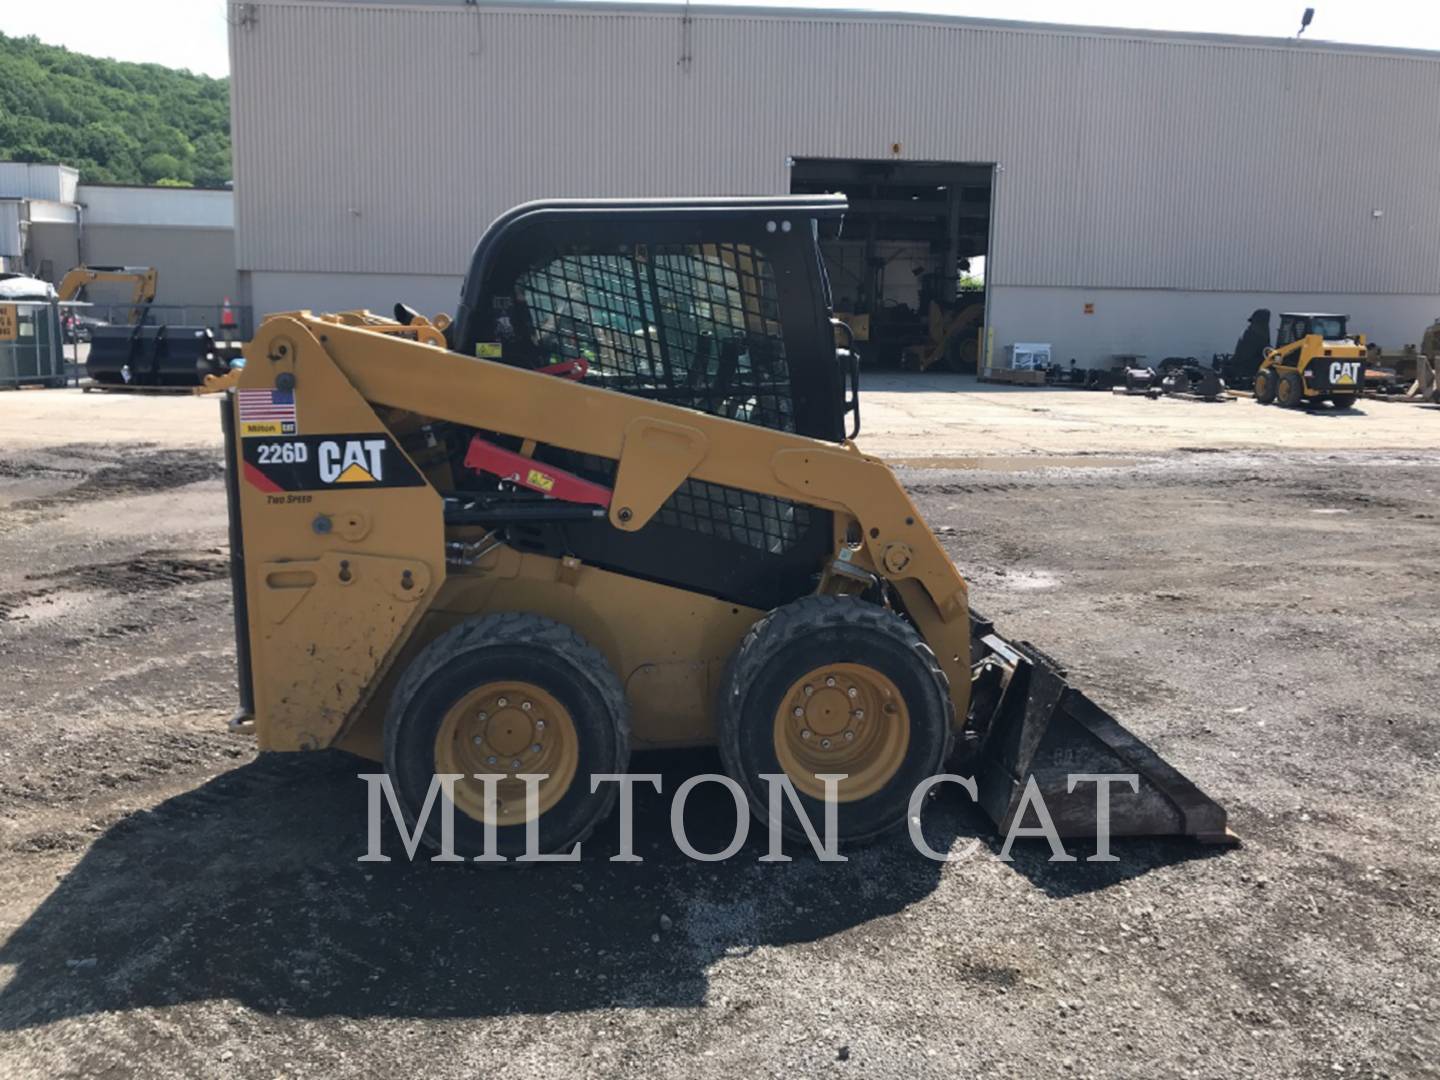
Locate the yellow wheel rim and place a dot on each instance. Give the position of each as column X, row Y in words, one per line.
column 842, row 718
column 507, row 728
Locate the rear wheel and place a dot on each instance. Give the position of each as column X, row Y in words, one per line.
column 1265, row 386
column 508, row 695
column 840, row 686
column 1343, row 401
column 1289, row 392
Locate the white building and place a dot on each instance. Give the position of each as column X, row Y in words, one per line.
column 50, row 223
column 1132, row 192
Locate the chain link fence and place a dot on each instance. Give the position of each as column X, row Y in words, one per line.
column 233, row 322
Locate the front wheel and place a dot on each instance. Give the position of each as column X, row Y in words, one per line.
column 1265, row 386
column 833, row 685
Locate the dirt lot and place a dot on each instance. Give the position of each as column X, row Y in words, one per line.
column 1266, row 617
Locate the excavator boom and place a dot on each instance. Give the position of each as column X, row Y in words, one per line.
column 145, row 280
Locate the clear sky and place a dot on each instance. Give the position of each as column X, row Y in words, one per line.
column 191, row 33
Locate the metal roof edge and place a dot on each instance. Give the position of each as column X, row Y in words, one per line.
column 868, row 15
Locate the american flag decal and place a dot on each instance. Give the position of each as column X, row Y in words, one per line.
column 269, row 412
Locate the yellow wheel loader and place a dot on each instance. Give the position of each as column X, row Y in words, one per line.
column 1315, row 359
column 617, row 504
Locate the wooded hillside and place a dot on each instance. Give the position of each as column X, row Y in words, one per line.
column 118, row 123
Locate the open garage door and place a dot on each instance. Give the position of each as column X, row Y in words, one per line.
column 908, row 265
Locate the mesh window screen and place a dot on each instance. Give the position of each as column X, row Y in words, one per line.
column 742, row 517
column 695, row 325
column 763, row 522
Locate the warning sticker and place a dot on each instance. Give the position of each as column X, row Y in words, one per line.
column 488, row 350
column 9, row 322
column 318, row 462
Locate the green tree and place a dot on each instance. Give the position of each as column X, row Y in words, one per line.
column 157, row 167
column 116, row 122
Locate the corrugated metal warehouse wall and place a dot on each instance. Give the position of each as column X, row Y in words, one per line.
column 381, row 138
column 188, row 235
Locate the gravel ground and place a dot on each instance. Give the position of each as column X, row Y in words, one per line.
column 177, row 907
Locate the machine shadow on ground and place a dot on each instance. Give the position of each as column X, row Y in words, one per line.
column 249, row 888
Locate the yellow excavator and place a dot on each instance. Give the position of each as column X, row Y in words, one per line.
column 144, row 279
column 617, row 503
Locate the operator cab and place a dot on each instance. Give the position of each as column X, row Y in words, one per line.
column 1297, row 325
column 719, row 305
column 716, row 305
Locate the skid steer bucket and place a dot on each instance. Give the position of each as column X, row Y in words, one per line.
column 1027, row 720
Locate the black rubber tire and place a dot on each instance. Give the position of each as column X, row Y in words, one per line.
column 1265, row 386
column 511, row 646
column 1343, row 401
column 1289, row 390
column 797, row 638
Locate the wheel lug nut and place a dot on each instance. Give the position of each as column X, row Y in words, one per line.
column 502, row 702
column 482, row 717
column 809, row 690
column 525, row 705
column 858, row 714
column 515, row 763
column 853, row 692
column 824, row 744
column 849, row 736
column 539, row 725
column 805, row 733
column 490, row 760
column 799, row 712
column 830, row 680
column 477, row 740
column 535, row 748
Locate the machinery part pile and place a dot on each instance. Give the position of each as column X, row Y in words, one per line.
column 1240, row 366
column 1186, row 377
column 1137, row 382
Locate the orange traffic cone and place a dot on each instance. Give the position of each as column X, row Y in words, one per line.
column 227, row 321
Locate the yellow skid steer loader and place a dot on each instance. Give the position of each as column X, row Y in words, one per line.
column 616, row 504
column 1315, row 359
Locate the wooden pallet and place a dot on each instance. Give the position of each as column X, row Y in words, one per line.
column 1013, row 377
column 88, row 385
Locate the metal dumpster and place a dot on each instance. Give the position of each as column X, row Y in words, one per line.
column 31, row 352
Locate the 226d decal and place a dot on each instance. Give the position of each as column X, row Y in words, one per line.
column 319, row 462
